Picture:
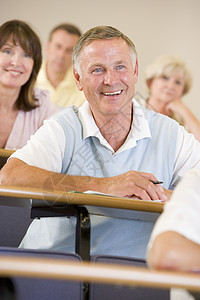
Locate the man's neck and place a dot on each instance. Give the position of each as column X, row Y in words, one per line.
column 55, row 78
column 116, row 129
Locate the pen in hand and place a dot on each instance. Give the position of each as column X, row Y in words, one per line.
column 156, row 182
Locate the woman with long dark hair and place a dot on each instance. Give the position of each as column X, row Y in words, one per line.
column 22, row 107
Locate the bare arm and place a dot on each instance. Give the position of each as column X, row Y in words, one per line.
column 173, row 251
column 189, row 119
column 130, row 184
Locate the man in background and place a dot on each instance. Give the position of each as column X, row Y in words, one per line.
column 56, row 73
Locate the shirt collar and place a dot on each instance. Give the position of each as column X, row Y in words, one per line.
column 139, row 129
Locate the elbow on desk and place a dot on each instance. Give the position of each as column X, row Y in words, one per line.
column 9, row 172
column 162, row 256
column 3, row 177
column 161, row 261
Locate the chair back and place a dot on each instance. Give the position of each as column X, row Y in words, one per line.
column 27, row 288
column 116, row 292
column 14, row 222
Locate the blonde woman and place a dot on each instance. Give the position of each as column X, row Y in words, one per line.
column 168, row 80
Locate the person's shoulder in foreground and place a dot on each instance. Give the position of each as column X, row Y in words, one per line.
column 175, row 240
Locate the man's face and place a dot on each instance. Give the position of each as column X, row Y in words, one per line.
column 59, row 50
column 107, row 76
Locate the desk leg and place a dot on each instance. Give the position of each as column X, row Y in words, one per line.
column 83, row 241
column 83, row 233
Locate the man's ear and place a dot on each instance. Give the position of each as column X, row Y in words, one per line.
column 136, row 70
column 78, row 79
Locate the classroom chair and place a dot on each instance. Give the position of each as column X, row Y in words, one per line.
column 27, row 288
column 116, row 292
column 14, row 221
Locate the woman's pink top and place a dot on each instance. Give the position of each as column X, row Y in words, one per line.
column 27, row 122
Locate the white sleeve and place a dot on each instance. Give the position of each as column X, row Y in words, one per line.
column 187, row 154
column 181, row 213
column 45, row 149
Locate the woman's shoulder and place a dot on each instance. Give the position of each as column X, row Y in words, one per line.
column 44, row 101
column 42, row 95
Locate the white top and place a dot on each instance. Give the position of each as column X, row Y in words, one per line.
column 52, row 135
column 181, row 213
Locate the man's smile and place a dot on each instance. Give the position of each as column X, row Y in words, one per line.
column 112, row 93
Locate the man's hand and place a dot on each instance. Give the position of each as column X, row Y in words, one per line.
column 134, row 184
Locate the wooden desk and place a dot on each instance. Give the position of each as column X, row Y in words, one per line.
column 91, row 272
column 96, row 272
column 4, row 155
column 60, row 198
column 57, row 203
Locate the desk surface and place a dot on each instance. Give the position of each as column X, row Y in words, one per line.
column 4, row 154
column 9, row 194
column 96, row 272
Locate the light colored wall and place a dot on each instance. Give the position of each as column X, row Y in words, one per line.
column 155, row 26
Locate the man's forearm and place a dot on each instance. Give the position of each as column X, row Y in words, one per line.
column 18, row 173
column 130, row 184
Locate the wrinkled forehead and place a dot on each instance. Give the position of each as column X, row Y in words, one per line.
column 105, row 44
column 107, row 48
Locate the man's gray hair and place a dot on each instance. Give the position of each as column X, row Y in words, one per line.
column 100, row 33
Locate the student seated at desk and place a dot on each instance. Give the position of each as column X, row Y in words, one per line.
column 175, row 241
column 22, row 108
column 110, row 144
